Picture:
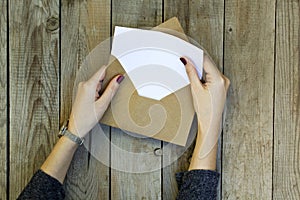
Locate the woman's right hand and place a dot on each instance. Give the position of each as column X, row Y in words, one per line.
column 209, row 97
column 209, row 101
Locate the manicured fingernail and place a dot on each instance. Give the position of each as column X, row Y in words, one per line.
column 183, row 61
column 120, row 79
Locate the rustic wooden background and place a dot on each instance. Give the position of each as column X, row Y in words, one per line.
column 255, row 43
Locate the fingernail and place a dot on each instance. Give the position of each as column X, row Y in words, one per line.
column 183, row 61
column 120, row 79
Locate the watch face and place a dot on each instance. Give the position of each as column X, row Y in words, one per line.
column 60, row 134
column 64, row 127
column 62, row 130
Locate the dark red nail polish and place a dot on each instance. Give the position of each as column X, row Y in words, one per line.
column 120, row 79
column 202, row 81
column 183, row 61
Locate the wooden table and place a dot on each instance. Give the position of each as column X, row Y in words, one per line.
column 255, row 43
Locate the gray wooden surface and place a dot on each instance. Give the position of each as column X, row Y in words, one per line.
column 286, row 164
column 255, row 44
column 3, row 99
column 33, row 88
column 248, row 129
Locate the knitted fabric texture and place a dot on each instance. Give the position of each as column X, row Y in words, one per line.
column 194, row 184
column 43, row 186
column 197, row 184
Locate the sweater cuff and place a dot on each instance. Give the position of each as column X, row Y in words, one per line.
column 43, row 186
column 200, row 183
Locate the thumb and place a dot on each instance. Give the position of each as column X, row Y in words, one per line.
column 110, row 91
column 98, row 76
column 212, row 72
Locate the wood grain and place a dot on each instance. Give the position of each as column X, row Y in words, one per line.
column 143, row 13
column 3, row 97
column 203, row 22
column 248, row 130
column 286, row 174
column 125, row 185
column 33, row 87
column 256, row 89
column 84, row 25
column 131, row 177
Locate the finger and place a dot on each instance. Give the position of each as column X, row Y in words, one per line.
column 98, row 89
column 227, row 82
column 210, row 68
column 98, row 77
column 191, row 72
column 109, row 93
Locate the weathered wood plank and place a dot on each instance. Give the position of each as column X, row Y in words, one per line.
column 84, row 25
column 202, row 21
column 34, row 45
column 3, row 95
column 144, row 13
column 125, row 185
column 286, row 174
column 130, row 178
column 248, row 129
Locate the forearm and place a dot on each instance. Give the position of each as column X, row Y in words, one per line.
column 208, row 162
column 205, row 151
column 58, row 162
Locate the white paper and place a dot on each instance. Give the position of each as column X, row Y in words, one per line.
column 151, row 60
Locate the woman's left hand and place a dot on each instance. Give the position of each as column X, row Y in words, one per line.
column 89, row 107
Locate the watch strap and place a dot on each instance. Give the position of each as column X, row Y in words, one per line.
column 64, row 132
column 73, row 137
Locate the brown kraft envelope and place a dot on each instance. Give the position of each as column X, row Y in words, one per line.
column 169, row 119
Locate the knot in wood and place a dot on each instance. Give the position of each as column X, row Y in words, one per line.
column 52, row 24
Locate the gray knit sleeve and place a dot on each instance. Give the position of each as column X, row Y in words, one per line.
column 197, row 184
column 43, row 186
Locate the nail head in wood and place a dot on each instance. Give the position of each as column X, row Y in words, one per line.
column 158, row 152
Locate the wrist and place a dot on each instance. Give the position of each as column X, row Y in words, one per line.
column 213, row 126
column 69, row 144
column 68, row 132
column 208, row 162
column 72, row 130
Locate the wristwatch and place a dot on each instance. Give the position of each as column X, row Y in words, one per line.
column 65, row 132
